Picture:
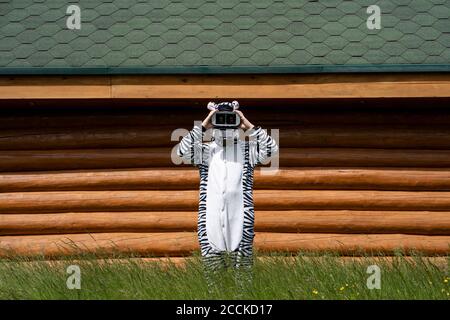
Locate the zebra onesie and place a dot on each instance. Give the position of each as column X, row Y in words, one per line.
column 226, row 212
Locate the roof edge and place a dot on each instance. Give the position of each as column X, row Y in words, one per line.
column 397, row 68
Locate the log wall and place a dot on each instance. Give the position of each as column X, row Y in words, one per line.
column 360, row 179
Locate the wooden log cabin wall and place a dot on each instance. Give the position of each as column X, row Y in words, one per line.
column 85, row 163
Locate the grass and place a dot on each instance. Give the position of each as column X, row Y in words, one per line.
column 305, row 276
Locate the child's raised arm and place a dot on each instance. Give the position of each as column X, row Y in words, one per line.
column 191, row 147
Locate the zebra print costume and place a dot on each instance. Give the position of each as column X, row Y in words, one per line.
column 234, row 237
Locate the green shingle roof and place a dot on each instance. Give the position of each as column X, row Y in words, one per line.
column 236, row 33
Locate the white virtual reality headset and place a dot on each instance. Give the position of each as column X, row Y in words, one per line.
column 225, row 117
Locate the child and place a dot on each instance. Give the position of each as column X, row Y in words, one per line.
column 226, row 164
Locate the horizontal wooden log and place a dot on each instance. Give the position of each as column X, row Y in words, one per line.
column 282, row 86
column 161, row 157
column 90, row 201
column 109, row 179
column 358, row 136
column 98, row 138
column 187, row 178
column 80, row 119
column 84, row 159
column 276, row 86
column 353, row 244
column 55, row 87
column 328, row 221
column 293, row 157
column 299, row 115
column 95, row 222
column 289, row 136
column 354, row 178
column 158, row 244
column 346, row 221
column 184, row 243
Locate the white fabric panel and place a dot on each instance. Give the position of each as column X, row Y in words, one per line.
column 224, row 202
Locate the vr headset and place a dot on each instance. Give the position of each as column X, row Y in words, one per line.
column 225, row 117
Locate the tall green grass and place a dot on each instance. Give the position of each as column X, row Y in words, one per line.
column 306, row 276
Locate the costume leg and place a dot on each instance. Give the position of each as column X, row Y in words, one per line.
column 213, row 261
column 243, row 265
column 213, row 265
column 243, row 257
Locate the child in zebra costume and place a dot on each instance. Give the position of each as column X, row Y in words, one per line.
column 226, row 165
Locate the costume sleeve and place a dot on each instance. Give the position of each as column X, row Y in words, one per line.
column 261, row 146
column 191, row 147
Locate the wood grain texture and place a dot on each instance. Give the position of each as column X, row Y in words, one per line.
column 305, row 86
column 346, row 157
column 101, row 179
column 24, row 160
column 354, row 178
column 90, row 138
column 353, row 221
column 313, row 221
column 188, row 179
column 91, row 201
column 299, row 115
column 159, row 244
column 352, row 244
column 282, row 86
column 32, row 160
column 289, row 137
column 97, row 222
column 184, row 243
column 85, row 163
column 55, row 87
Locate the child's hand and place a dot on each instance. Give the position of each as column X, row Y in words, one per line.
column 207, row 122
column 245, row 124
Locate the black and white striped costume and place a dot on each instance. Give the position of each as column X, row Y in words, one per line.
column 226, row 212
